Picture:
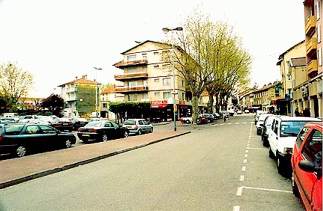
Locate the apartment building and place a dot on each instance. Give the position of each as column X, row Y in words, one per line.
column 285, row 65
column 266, row 98
column 309, row 92
column 148, row 77
column 80, row 96
column 107, row 96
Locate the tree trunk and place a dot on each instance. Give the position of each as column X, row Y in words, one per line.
column 210, row 103
column 195, row 108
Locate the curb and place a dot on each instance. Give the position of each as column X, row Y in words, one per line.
column 83, row 162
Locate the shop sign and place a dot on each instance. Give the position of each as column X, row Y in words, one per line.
column 159, row 104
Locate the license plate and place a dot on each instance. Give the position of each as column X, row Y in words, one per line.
column 65, row 123
column 86, row 135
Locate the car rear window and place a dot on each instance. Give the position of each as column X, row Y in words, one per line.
column 94, row 124
column 13, row 129
column 291, row 128
column 130, row 122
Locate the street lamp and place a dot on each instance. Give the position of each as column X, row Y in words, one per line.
column 166, row 30
column 96, row 91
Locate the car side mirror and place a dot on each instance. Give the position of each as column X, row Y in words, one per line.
column 309, row 166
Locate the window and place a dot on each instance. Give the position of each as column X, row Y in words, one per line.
column 183, row 96
column 13, row 129
column 291, row 128
column 301, row 136
column 33, row 129
column 166, row 81
column 131, row 57
column 166, row 95
column 104, row 105
column 114, row 125
column 108, row 124
column 157, row 94
column 156, row 80
column 156, row 53
column 141, row 122
column 156, row 66
column 312, row 150
column 183, row 83
column 47, row 129
column 144, row 56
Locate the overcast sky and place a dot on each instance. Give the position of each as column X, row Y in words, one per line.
column 57, row 40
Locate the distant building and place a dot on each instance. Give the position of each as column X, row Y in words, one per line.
column 107, row 96
column 80, row 97
column 148, row 77
column 30, row 103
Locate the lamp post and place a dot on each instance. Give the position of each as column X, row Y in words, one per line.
column 96, row 91
column 166, row 30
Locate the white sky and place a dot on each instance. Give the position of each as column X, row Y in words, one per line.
column 57, row 40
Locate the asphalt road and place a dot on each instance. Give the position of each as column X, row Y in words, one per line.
column 216, row 167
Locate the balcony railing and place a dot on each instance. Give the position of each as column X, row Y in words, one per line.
column 310, row 24
column 311, row 44
column 131, row 89
column 123, row 64
column 130, row 76
column 311, row 67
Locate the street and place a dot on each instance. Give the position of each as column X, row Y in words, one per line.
column 221, row 166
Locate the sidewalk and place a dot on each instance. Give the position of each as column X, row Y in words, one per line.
column 18, row 170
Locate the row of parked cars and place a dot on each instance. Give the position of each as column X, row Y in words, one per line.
column 21, row 138
column 295, row 143
column 204, row 118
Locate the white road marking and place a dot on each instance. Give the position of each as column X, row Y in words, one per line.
column 241, row 178
column 267, row 189
column 247, row 151
column 245, row 161
column 239, row 191
column 229, row 123
column 237, row 123
column 243, row 168
column 246, row 155
column 236, row 208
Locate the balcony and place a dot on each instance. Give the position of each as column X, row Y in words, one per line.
column 127, row 89
column 311, row 44
column 131, row 76
column 123, row 64
column 311, row 67
column 310, row 25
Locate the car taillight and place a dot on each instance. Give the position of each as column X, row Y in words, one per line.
column 1, row 138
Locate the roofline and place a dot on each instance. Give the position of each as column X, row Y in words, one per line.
column 144, row 43
column 281, row 55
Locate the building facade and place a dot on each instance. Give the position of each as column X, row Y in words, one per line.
column 80, row 96
column 107, row 96
column 148, row 77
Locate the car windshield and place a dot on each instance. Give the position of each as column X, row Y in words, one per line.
column 13, row 129
column 94, row 124
column 130, row 122
column 291, row 128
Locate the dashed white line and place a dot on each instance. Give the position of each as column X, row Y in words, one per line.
column 247, row 151
column 267, row 189
column 241, row 178
column 239, row 191
column 256, row 148
column 245, row 161
column 243, row 168
column 246, row 155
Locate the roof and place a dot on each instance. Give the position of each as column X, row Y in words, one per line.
column 288, row 118
column 144, row 43
column 108, row 90
column 280, row 58
column 298, row 62
column 80, row 81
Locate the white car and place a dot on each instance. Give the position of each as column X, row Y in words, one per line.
column 138, row 126
column 260, row 123
column 258, row 113
column 282, row 137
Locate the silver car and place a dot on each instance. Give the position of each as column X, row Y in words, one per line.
column 138, row 126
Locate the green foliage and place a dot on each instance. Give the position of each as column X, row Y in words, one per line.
column 54, row 103
column 14, row 84
column 86, row 99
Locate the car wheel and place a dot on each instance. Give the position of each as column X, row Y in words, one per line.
column 151, row 130
column 21, row 151
column 125, row 134
column 104, row 137
column 139, row 132
column 280, row 168
column 68, row 143
column 271, row 154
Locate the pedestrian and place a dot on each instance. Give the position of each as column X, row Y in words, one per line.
column 307, row 112
column 296, row 112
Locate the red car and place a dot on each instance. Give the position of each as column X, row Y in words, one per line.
column 307, row 166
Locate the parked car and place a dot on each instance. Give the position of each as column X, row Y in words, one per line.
column 186, row 120
column 246, row 111
column 7, row 120
column 239, row 112
column 32, row 119
column 63, row 124
column 217, row 115
column 260, row 123
column 20, row 139
column 102, row 130
column 210, row 118
column 202, row 120
column 138, row 126
column 282, row 138
column 307, row 166
column 79, row 122
column 266, row 129
column 258, row 113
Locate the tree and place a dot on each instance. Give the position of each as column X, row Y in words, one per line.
column 54, row 103
column 14, row 84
